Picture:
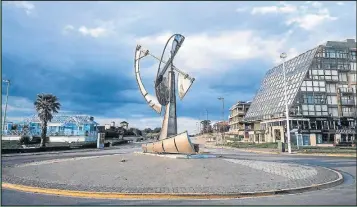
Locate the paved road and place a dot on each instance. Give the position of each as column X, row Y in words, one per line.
column 344, row 194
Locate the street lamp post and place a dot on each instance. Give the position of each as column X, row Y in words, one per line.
column 206, row 126
column 7, row 96
column 283, row 57
column 222, row 99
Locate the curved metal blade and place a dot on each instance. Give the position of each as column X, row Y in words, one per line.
column 151, row 100
column 184, row 84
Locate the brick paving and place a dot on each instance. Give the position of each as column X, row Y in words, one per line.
column 150, row 174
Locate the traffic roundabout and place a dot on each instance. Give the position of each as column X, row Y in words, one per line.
column 137, row 176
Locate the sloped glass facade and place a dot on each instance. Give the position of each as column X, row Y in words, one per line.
column 269, row 102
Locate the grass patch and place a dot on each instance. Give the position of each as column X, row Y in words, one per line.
column 6, row 144
column 252, row 145
column 302, row 149
column 342, row 150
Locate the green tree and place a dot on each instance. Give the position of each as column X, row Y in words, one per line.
column 46, row 105
column 206, row 126
column 148, row 130
column 157, row 130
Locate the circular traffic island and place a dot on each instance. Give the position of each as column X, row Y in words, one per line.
column 138, row 176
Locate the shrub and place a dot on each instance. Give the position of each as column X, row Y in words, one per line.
column 36, row 140
column 24, row 140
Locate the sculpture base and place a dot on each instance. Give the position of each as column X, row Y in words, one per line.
column 177, row 144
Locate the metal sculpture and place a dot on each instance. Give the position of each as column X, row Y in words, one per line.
column 169, row 141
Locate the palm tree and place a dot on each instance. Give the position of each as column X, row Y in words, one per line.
column 205, row 124
column 46, row 105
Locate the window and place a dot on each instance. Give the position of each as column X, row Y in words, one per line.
column 325, row 139
column 308, row 99
column 331, row 88
column 353, row 55
column 343, row 76
column 333, row 111
column 320, row 99
column 353, row 78
column 331, row 99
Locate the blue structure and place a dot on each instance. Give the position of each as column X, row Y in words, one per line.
column 60, row 125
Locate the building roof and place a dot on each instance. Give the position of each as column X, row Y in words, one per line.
column 65, row 119
column 349, row 43
column 240, row 103
column 269, row 99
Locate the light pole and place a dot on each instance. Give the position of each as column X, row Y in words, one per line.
column 7, row 96
column 222, row 99
column 283, row 56
column 206, row 127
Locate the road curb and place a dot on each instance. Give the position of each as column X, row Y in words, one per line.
column 179, row 156
column 168, row 196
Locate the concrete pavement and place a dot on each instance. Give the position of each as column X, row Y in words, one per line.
column 345, row 191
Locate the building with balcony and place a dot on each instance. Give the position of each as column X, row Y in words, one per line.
column 238, row 128
column 321, row 93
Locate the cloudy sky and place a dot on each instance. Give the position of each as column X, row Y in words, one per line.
column 83, row 52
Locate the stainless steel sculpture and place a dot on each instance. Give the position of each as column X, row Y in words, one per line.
column 169, row 140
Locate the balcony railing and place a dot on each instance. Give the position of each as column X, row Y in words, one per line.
column 349, row 114
column 346, row 90
column 347, row 102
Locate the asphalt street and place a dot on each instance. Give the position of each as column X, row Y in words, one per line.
column 344, row 194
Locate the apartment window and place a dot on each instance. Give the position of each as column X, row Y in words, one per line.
column 331, row 88
column 331, row 100
column 353, row 55
column 353, row 66
column 343, row 76
column 308, row 99
column 347, row 109
column 320, row 99
column 353, row 77
column 326, row 66
column 332, row 75
column 333, row 111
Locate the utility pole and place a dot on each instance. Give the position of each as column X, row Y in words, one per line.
column 206, row 121
column 222, row 127
column 7, row 96
column 283, row 56
column 222, row 99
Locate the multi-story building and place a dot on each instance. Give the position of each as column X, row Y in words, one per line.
column 238, row 128
column 321, row 95
column 221, row 126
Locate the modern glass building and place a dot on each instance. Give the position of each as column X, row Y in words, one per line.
column 321, row 90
